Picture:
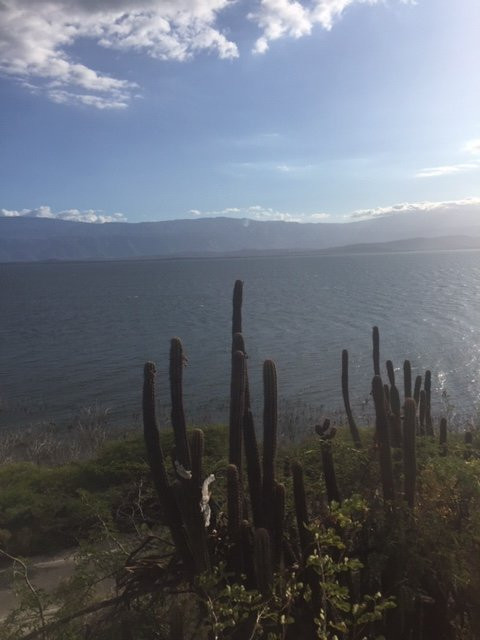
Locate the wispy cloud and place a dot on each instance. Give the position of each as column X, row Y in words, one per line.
column 412, row 207
column 472, row 146
column 291, row 18
column 35, row 38
column 446, row 170
column 259, row 212
column 74, row 215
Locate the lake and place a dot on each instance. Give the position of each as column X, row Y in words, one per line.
column 76, row 335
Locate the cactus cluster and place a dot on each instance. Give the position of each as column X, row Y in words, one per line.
column 255, row 523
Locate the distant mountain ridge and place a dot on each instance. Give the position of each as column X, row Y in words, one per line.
column 39, row 239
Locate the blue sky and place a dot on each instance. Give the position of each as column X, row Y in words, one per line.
column 271, row 109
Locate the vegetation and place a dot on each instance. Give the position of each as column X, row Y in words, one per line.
column 364, row 534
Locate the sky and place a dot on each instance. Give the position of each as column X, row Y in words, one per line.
column 308, row 110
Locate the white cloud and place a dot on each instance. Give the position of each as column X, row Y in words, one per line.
column 281, row 18
column 35, row 38
column 412, row 207
column 445, row 170
column 74, row 215
column 259, row 212
column 472, row 146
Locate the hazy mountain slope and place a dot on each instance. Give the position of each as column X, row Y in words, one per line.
column 31, row 239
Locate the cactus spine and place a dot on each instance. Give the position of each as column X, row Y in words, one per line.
column 177, row 361
column 269, row 438
column 346, row 400
column 409, row 456
column 381, row 425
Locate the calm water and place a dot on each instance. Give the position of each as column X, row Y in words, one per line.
column 76, row 335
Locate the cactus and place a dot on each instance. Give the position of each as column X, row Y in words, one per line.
column 237, row 407
column 262, row 553
column 278, row 524
column 237, row 307
column 269, row 438
column 197, row 448
column 254, row 470
column 386, row 393
column 301, row 512
column 428, row 400
column 376, row 351
column 407, row 379
column 346, row 400
column 234, row 502
column 395, row 418
column 443, row 437
column 390, row 373
column 416, row 389
column 156, row 462
column 327, row 434
column 177, row 361
column 409, row 457
column 186, row 496
column 381, row 425
column 421, row 411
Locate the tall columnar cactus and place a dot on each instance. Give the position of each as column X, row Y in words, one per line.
column 409, row 456
column 407, row 379
column 395, row 417
column 197, row 448
column 327, row 433
column 269, row 438
column 443, row 437
column 237, row 307
column 416, row 390
column 376, row 351
column 234, row 502
column 177, row 361
column 156, row 462
column 422, row 411
column 254, row 469
column 346, row 400
column 301, row 513
column 428, row 403
column 278, row 525
column 262, row 553
column 237, row 407
column 390, row 373
column 381, row 425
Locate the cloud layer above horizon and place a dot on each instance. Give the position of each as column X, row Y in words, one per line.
column 36, row 38
column 72, row 215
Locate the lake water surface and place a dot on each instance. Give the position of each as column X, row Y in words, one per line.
column 77, row 335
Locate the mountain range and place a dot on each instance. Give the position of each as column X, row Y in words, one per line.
column 39, row 239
